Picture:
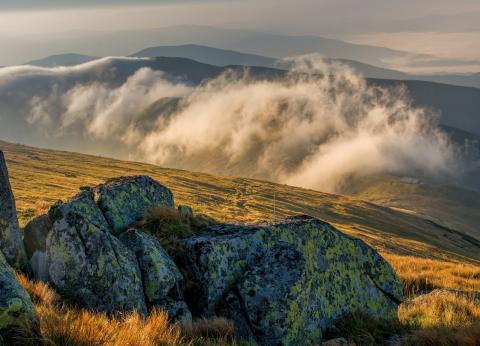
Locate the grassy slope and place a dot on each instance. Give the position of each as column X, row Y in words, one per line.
column 450, row 206
column 40, row 177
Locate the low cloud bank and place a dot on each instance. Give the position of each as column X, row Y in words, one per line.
column 318, row 128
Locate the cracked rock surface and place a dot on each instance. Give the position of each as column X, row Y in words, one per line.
column 284, row 283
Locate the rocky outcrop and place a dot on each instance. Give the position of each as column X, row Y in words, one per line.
column 285, row 283
column 16, row 308
column 91, row 267
column 160, row 275
column 75, row 248
column 126, row 200
column 11, row 243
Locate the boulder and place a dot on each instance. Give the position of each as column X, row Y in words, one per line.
column 91, row 267
column 185, row 211
column 286, row 283
column 37, row 230
column 16, row 308
column 35, row 240
column 126, row 200
column 161, row 277
column 11, row 243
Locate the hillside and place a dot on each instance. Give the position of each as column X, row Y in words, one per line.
column 40, row 177
column 57, row 60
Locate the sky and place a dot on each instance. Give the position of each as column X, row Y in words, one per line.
column 444, row 28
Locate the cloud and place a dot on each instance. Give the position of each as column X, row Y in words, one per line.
column 319, row 127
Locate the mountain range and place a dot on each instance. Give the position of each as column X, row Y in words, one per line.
column 225, row 57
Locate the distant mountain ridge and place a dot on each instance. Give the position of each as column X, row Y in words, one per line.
column 222, row 57
column 69, row 59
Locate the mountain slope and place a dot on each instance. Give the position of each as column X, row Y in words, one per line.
column 207, row 55
column 70, row 59
column 40, row 177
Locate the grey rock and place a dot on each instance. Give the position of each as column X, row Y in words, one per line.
column 126, row 200
column 16, row 308
column 91, row 267
column 288, row 282
column 160, row 275
column 11, row 242
column 35, row 240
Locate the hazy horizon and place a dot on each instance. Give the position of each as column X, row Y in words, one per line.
column 449, row 33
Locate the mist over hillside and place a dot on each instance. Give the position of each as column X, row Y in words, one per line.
column 317, row 126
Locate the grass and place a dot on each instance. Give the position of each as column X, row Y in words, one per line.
column 61, row 325
column 170, row 227
column 420, row 274
column 425, row 255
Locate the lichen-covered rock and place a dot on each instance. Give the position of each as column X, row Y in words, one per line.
column 16, row 308
column 37, row 230
column 35, row 240
column 90, row 267
column 286, row 283
column 125, row 200
column 160, row 275
column 11, row 243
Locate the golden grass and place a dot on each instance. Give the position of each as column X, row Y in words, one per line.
column 62, row 325
column 442, row 319
column 424, row 256
column 420, row 274
column 40, row 177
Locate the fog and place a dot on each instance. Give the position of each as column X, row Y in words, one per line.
column 319, row 127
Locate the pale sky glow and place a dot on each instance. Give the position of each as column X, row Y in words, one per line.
column 439, row 27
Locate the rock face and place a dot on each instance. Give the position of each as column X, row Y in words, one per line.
column 125, row 200
column 11, row 243
column 285, row 283
column 75, row 248
column 35, row 240
column 160, row 275
column 91, row 267
column 16, row 307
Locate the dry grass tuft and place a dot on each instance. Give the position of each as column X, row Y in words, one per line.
column 62, row 325
column 215, row 328
column 445, row 309
column 171, row 228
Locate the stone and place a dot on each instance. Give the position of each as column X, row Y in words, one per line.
column 286, row 283
column 16, row 307
column 90, row 267
column 161, row 277
column 37, row 230
column 185, row 211
column 11, row 242
column 35, row 240
column 126, row 200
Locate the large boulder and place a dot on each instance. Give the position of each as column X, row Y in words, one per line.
column 11, row 243
column 91, row 267
column 288, row 282
column 125, row 200
column 16, row 308
column 37, row 230
column 161, row 277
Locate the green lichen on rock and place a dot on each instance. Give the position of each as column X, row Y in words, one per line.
column 91, row 267
column 11, row 243
column 160, row 275
column 291, row 280
column 125, row 200
column 16, row 308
